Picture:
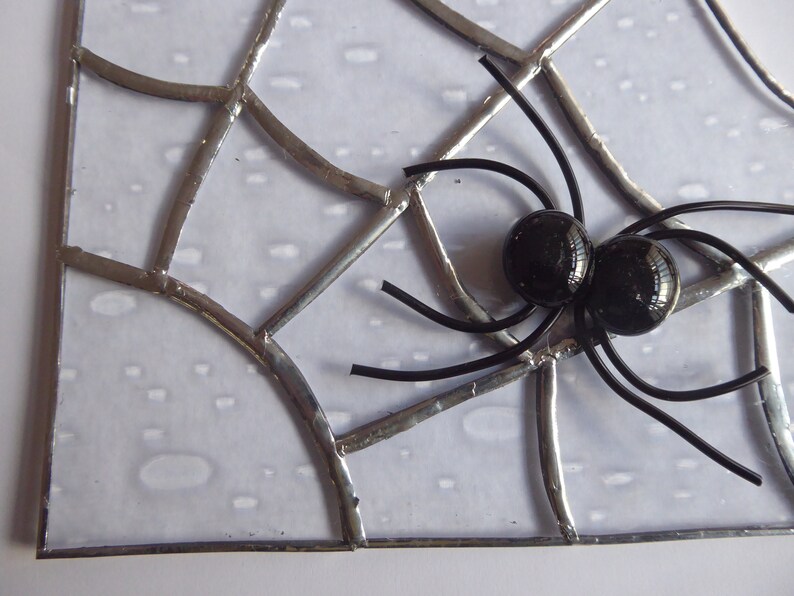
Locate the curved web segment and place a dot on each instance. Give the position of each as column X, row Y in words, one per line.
column 390, row 204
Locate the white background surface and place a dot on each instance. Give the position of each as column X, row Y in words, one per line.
column 28, row 37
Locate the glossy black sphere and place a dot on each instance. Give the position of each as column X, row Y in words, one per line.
column 635, row 285
column 548, row 258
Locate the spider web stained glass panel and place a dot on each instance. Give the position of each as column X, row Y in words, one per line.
column 167, row 431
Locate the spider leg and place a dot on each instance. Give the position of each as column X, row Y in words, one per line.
column 452, row 323
column 484, row 164
column 545, row 132
column 466, row 367
column 668, row 395
column 652, row 220
column 734, row 253
column 585, row 338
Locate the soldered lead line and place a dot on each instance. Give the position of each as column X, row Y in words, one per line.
column 549, row 447
column 307, row 157
column 773, row 397
column 140, row 83
column 210, row 144
column 472, row 32
column 340, row 262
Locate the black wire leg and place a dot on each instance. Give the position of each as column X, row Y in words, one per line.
column 585, row 339
column 652, row 220
column 484, row 164
column 734, row 253
column 465, row 368
column 668, row 395
column 545, row 132
column 452, row 323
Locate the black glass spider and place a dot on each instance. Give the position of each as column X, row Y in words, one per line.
column 629, row 284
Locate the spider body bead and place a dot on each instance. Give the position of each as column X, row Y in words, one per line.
column 548, row 258
column 635, row 286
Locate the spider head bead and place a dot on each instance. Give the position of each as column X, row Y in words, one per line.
column 548, row 258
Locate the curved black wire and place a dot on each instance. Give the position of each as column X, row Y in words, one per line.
column 465, row 368
column 652, row 220
column 586, row 340
column 734, row 253
column 545, row 132
column 452, row 323
column 484, row 164
column 677, row 396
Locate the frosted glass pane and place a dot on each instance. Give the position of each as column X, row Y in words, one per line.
column 234, row 423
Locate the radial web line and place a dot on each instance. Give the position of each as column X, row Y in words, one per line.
column 338, row 264
column 210, row 144
column 773, row 397
column 549, row 449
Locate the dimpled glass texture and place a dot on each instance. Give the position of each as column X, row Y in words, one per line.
column 177, row 428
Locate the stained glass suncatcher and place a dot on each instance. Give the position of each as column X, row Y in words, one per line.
column 235, row 199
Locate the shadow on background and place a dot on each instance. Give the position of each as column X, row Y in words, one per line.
column 42, row 376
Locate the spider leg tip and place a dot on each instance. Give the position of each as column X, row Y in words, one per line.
column 750, row 476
